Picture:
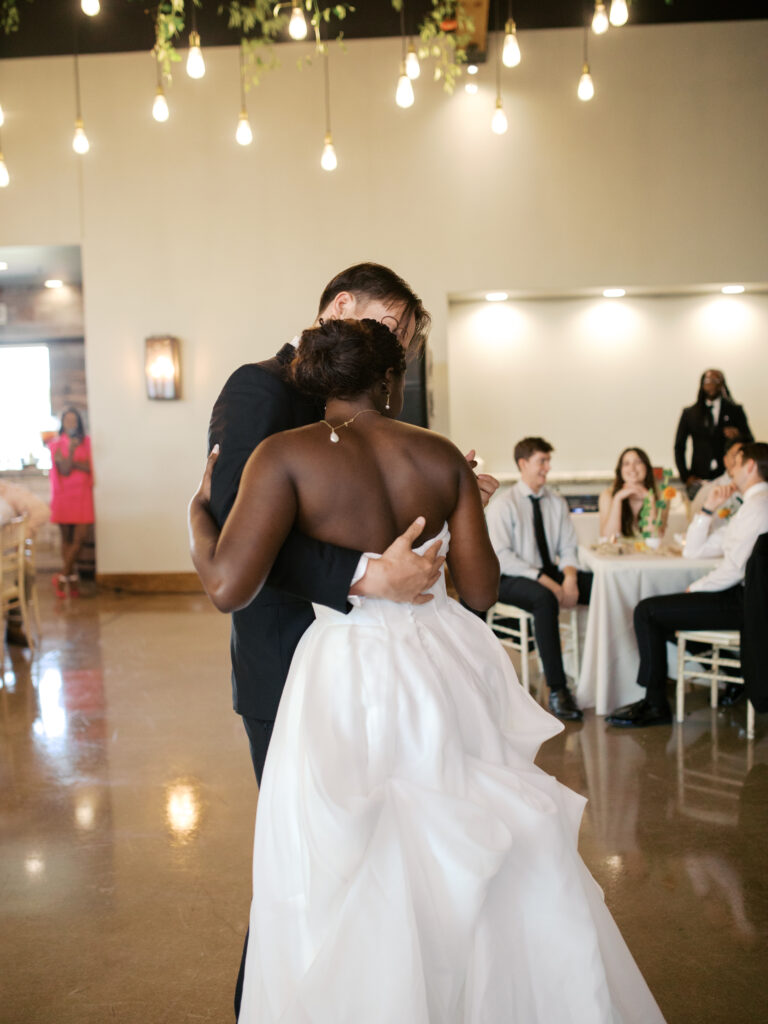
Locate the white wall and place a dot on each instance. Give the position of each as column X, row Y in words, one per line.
column 659, row 181
column 594, row 376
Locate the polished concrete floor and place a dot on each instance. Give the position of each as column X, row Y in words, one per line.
column 126, row 817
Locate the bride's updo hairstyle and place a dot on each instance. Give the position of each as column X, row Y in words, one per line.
column 343, row 358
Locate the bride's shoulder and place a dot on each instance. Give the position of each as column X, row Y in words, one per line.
column 429, row 442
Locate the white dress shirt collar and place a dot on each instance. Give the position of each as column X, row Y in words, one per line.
column 760, row 488
column 526, row 491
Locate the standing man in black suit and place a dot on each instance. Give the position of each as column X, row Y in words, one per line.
column 714, row 419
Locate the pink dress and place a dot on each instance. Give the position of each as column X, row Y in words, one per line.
column 71, row 496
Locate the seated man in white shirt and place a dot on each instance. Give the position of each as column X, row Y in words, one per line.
column 535, row 541
column 716, row 601
column 732, row 449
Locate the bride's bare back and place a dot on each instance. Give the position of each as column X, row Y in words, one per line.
column 362, row 493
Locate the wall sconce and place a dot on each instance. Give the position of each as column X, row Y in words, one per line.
column 162, row 367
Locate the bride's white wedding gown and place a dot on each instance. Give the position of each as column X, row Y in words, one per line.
column 411, row 864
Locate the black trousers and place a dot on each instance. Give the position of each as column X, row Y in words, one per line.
column 259, row 734
column 535, row 598
column 657, row 618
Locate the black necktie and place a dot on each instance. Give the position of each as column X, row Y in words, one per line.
column 547, row 565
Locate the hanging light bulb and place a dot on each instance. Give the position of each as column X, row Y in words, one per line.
column 404, row 94
column 80, row 142
column 510, row 54
column 195, row 62
column 297, row 26
column 499, row 123
column 328, row 160
column 243, row 134
column 160, row 106
column 412, row 66
column 90, row 7
column 5, row 178
column 619, row 13
column 586, row 88
column 600, row 19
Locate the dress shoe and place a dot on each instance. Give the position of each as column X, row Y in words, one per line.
column 640, row 714
column 732, row 695
column 562, row 705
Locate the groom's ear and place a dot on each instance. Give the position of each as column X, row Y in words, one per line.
column 341, row 307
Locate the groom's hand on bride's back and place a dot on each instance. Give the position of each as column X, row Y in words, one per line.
column 400, row 574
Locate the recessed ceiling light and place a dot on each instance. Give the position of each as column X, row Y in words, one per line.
column 472, row 69
column 471, row 88
column 732, row 289
column 53, row 282
column 614, row 293
column 3, row 265
column 496, row 297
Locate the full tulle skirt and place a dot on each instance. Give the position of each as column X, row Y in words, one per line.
column 411, row 864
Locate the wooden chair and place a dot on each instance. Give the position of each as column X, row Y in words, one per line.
column 521, row 638
column 706, row 669
column 13, row 536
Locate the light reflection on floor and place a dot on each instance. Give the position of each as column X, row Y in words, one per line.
column 126, row 813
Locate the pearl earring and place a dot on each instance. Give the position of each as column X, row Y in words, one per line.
column 387, row 405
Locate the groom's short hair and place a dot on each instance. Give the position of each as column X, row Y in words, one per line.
column 373, row 281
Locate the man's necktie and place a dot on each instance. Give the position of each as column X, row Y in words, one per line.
column 548, row 566
column 710, row 417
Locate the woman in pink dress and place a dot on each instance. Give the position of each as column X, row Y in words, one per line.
column 71, row 494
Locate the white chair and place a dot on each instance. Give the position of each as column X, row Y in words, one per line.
column 12, row 589
column 521, row 637
column 725, row 645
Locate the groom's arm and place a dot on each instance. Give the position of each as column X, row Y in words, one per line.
column 250, row 408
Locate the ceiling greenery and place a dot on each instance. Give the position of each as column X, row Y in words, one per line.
column 443, row 33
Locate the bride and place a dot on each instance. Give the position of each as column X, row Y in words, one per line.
column 411, row 863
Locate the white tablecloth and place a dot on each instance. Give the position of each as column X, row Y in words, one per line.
column 610, row 660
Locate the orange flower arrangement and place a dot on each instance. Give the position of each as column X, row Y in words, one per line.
column 651, row 517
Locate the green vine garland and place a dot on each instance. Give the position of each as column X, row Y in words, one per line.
column 260, row 23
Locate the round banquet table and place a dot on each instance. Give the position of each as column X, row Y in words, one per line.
column 610, row 660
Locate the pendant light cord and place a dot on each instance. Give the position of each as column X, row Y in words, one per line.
column 327, row 82
column 242, row 75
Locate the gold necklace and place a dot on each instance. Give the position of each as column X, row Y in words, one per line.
column 346, row 423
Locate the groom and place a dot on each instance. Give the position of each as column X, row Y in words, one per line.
column 258, row 401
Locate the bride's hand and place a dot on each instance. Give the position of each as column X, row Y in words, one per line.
column 203, row 492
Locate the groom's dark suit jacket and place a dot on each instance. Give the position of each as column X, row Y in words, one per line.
column 255, row 402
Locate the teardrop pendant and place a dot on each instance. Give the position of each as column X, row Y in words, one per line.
column 334, row 437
